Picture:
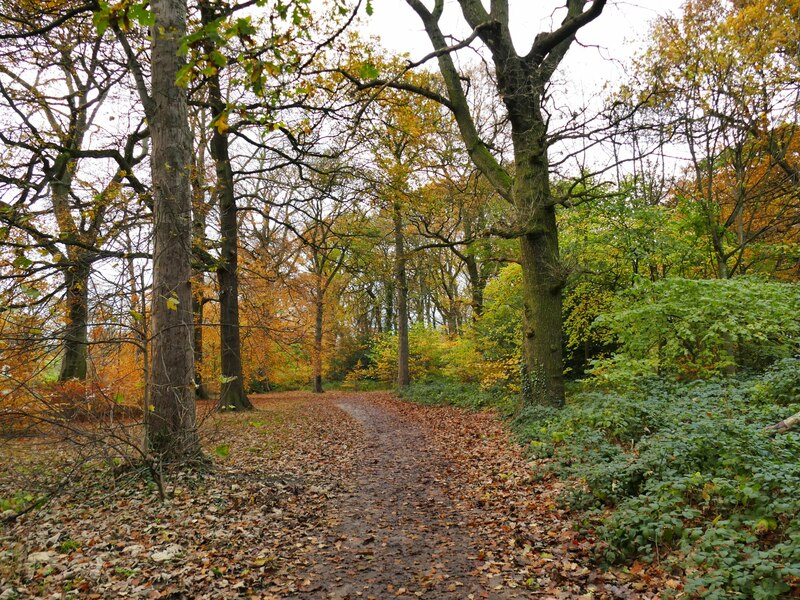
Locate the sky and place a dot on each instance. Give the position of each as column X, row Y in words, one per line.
column 611, row 40
column 593, row 67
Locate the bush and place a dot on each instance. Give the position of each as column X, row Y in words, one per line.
column 426, row 354
column 780, row 384
column 690, row 475
column 701, row 328
column 446, row 392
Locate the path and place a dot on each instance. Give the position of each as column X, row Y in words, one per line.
column 400, row 533
column 345, row 495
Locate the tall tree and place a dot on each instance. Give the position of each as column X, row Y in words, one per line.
column 721, row 82
column 232, row 393
column 522, row 82
column 53, row 87
column 171, row 422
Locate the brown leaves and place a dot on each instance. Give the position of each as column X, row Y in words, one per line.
column 221, row 534
column 390, row 500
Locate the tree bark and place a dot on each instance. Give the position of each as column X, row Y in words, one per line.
column 476, row 285
column 232, row 394
column 389, row 322
column 542, row 279
column 200, row 388
column 401, row 286
column 198, row 235
column 73, row 363
column 787, row 424
column 319, row 307
column 171, row 421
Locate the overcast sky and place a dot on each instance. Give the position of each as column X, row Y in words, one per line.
column 616, row 34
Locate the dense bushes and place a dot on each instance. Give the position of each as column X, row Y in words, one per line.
column 700, row 328
column 693, row 480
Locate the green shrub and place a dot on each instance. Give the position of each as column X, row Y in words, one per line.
column 426, row 348
column 700, row 328
column 690, row 477
column 447, row 392
column 780, row 384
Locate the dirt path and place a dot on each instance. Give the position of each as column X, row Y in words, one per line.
column 400, row 531
column 338, row 496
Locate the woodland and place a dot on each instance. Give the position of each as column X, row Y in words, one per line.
column 285, row 314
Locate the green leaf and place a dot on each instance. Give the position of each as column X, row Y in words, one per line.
column 30, row 292
column 100, row 20
column 368, row 71
column 223, row 450
column 218, row 58
column 22, row 262
column 140, row 14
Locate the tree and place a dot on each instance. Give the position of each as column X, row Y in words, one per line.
column 232, row 393
column 522, row 82
column 402, row 152
column 720, row 81
column 327, row 211
column 171, row 422
column 54, row 87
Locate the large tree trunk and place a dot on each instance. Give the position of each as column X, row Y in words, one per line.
column 319, row 307
column 171, row 421
column 76, row 280
column 542, row 275
column 401, row 285
column 232, row 394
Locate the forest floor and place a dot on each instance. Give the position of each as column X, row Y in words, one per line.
column 344, row 495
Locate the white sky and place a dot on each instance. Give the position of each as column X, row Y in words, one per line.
column 617, row 34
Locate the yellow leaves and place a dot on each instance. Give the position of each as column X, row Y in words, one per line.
column 221, row 123
column 173, row 302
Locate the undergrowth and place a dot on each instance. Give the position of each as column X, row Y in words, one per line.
column 685, row 475
column 682, row 474
column 446, row 392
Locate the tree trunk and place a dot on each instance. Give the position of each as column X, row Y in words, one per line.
column 73, row 363
column 198, row 235
column 232, row 394
column 319, row 306
column 542, row 275
column 389, row 322
column 401, row 285
column 476, row 285
column 171, row 420
column 200, row 388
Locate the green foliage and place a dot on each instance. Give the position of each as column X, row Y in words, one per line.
column 499, row 330
column 223, row 450
column 462, row 360
column 446, row 392
column 700, row 328
column 780, row 384
column 691, row 476
column 18, row 501
column 426, row 354
column 68, row 546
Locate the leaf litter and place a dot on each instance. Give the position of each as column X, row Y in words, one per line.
column 341, row 495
